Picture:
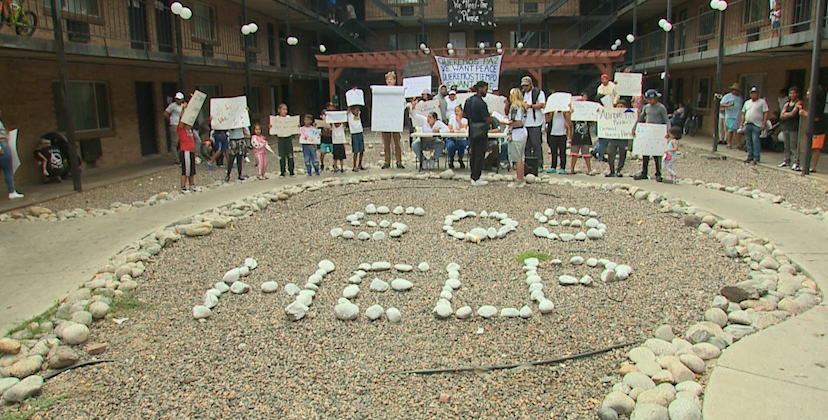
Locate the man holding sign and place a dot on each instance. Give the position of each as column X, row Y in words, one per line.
column 535, row 99
column 653, row 113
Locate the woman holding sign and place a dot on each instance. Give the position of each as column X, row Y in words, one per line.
column 391, row 80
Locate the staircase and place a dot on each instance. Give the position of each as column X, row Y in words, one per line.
column 587, row 28
column 357, row 42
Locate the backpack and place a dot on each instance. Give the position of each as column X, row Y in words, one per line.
column 535, row 95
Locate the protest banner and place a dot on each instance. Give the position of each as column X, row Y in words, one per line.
column 387, row 108
column 425, row 107
column 650, row 139
column 478, row 13
column 355, row 97
column 190, row 113
column 314, row 136
column 334, row 117
column 284, row 126
column 558, row 101
column 628, row 84
column 466, row 72
column 616, row 123
column 229, row 113
column 415, row 86
column 585, row 110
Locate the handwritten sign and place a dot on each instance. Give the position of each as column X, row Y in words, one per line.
column 471, row 12
column 284, row 126
column 388, row 106
column 229, row 113
column 190, row 113
column 426, row 107
column 628, row 84
column 606, row 101
column 558, row 101
column 310, row 135
column 355, row 97
column 466, row 72
column 496, row 103
column 417, row 67
column 650, row 139
column 333, row 117
column 616, row 123
column 585, row 110
column 321, row 124
column 415, row 86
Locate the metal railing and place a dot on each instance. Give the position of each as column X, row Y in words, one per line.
column 587, row 27
column 437, row 10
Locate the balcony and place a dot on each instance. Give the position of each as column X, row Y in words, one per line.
column 407, row 12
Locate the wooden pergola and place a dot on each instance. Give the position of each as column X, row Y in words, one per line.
column 534, row 60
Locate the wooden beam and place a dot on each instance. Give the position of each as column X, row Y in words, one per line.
column 333, row 74
column 604, row 68
column 537, row 73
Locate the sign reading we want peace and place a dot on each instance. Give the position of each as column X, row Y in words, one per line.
column 466, row 72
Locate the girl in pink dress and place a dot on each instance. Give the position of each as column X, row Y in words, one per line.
column 260, row 149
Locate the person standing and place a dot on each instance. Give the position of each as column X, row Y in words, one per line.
column 617, row 147
column 187, row 146
column 560, row 129
column 535, row 100
column 817, row 142
column 326, row 145
column 606, row 88
column 389, row 137
column 790, row 128
column 451, row 103
column 173, row 114
column 477, row 112
column 754, row 118
column 441, row 98
column 732, row 105
column 653, row 113
column 6, row 162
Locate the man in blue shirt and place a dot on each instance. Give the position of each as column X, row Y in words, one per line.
column 478, row 115
column 731, row 104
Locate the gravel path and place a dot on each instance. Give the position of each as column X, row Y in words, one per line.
column 249, row 361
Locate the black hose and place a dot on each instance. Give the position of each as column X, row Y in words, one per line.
column 514, row 365
column 75, row 366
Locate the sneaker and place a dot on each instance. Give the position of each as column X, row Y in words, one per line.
column 755, row 162
column 619, row 175
column 480, row 182
column 795, row 167
column 668, row 181
column 356, row 169
column 659, row 178
column 561, row 171
column 184, row 191
column 451, row 164
column 400, row 166
column 639, row 177
column 610, row 175
column 227, row 178
column 14, row 195
column 462, row 165
column 242, row 178
column 521, row 184
column 209, row 166
column 512, row 184
column 551, row 171
column 782, row 165
column 247, row 159
column 193, row 189
column 281, row 175
column 386, row 165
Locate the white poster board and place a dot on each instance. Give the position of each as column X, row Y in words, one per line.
column 190, row 113
column 229, row 113
column 333, row 117
column 387, row 108
column 466, row 72
column 415, row 86
column 310, row 135
column 284, row 126
column 585, row 110
column 650, row 139
column 616, row 123
column 463, row 97
column 628, row 84
column 321, row 124
column 558, row 101
column 12, row 139
column 355, row 97
column 606, row 101
column 496, row 103
column 425, row 107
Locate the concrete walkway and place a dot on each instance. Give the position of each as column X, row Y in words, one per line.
column 778, row 373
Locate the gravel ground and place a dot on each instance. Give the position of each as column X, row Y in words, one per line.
column 801, row 191
column 249, row 361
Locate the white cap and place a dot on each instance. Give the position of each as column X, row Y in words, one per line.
column 179, row 95
column 451, row 92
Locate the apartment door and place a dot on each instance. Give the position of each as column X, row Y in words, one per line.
column 145, row 105
column 137, row 12
column 458, row 40
column 163, row 26
column 168, row 90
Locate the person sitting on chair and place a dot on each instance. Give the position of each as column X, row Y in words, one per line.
column 679, row 115
column 432, row 125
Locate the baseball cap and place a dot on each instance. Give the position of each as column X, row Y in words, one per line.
column 525, row 80
column 179, row 95
column 605, row 76
column 452, row 92
column 426, row 91
column 651, row 93
column 753, row 89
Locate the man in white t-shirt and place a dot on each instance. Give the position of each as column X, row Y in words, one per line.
column 173, row 114
column 535, row 100
column 754, row 117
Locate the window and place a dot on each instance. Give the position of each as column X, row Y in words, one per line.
column 254, row 101
column 707, row 22
column 530, row 7
column 702, row 93
column 212, row 91
column 89, row 102
column 408, row 41
column 755, row 11
column 77, row 8
column 203, row 23
column 407, row 11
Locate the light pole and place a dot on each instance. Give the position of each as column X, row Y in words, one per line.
column 721, row 6
column 291, row 41
column 667, row 27
column 634, row 32
column 247, row 29
column 812, row 101
column 184, row 13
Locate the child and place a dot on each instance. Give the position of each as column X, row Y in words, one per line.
column 186, row 155
column 309, row 138
column 517, row 135
column 338, row 138
column 260, row 149
column 671, row 153
column 776, row 19
column 51, row 161
column 458, row 145
column 236, row 148
column 617, row 147
column 357, row 138
column 579, row 145
column 220, row 146
column 326, row 145
column 285, row 148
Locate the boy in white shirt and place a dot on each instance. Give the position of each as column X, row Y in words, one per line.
column 357, row 138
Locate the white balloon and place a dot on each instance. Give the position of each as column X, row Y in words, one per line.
column 176, row 8
column 520, row 44
column 245, row 30
column 630, row 38
column 614, row 47
column 322, row 48
column 449, row 45
column 500, row 50
column 722, row 6
column 618, row 42
column 186, row 13
column 482, row 45
column 451, row 51
column 499, row 44
column 668, row 27
column 661, row 22
column 714, row 4
column 423, row 46
column 292, row 40
column 253, row 28
column 427, row 51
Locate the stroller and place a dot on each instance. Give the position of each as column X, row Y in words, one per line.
column 769, row 138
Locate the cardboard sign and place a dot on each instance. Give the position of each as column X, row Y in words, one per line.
column 388, row 106
column 310, row 135
column 426, row 107
column 190, row 113
column 650, row 139
column 333, row 117
column 558, row 101
column 284, row 126
column 606, row 101
column 321, row 124
column 616, row 123
column 496, row 103
column 355, row 97
column 229, row 113
column 585, row 110
column 628, row 84
column 417, row 67
column 415, row 86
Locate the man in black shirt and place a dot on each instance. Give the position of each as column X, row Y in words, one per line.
column 477, row 112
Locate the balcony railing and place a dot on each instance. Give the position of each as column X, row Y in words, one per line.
column 438, row 10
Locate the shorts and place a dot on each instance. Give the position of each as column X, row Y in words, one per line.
column 236, row 147
column 775, row 24
column 730, row 123
column 517, row 150
column 326, row 147
column 818, row 141
column 357, row 143
column 579, row 150
column 338, row 151
column 221, row 145
column 188, row 165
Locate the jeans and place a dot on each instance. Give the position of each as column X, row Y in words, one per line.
column 754, row 145
column 657, row 161
column 436, row 145
column 791, row 141
column 617, row 147
column 600, row 148
column 533, row 144
column 557, row 144
column 311, row 159
column 6, row 166
column 456, row 145
column 285, row 150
